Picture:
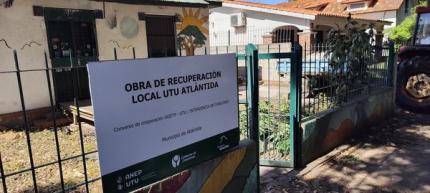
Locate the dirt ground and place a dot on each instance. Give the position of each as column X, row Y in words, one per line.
column 14, row 154
column 391, row 158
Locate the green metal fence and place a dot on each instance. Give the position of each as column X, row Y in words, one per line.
column 274, row 83
column 295, row 83
column 325, row 87
column 272, row 119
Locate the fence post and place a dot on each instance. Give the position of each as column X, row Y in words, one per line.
column 76, row 92
column 252, row 87
column 295, row 105
column 3, row 178
column 391, row 66
column 26, row 124
column 51, row 102
column 229, row 38
column 114, row 54
column 252, row 98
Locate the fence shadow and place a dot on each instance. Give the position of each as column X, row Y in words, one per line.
column 392, row 157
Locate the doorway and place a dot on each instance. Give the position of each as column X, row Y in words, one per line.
column 161, row 36
column 284, row 34
column 319, row 37
column 71, row 38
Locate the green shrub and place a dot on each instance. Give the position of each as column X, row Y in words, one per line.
column 274, row 124
column 404, row 31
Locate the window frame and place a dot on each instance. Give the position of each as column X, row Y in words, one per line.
column 365, row 6
column 417, row 29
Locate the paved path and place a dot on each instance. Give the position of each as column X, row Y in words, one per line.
column 391, row 158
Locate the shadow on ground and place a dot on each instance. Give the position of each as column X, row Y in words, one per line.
column 393, row 157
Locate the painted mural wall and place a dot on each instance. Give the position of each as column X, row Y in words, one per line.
column 22, row 31
column 329, row 130
column 234, row 172
column 192, row 31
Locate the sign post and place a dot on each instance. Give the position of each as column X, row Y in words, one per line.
column 157, row 117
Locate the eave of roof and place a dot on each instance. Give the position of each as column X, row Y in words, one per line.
column 353, row 17
column 304, row 3
column 272, row 7
column 353, row 1
column 376, row 6
column 192, row 3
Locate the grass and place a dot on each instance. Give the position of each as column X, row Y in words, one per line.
column 15, row 157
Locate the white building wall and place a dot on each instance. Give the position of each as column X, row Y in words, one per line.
column 390, row 16
column 18, row 27
column 258, row 24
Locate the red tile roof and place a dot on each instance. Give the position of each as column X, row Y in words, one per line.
column 340, row 7
column 301, row 6
column 353, row 1
column 274, row 7
column 305, row 4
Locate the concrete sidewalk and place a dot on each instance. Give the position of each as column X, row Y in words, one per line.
column 394, row 157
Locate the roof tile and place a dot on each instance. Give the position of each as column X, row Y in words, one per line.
column 335, row 6
column 299, row 6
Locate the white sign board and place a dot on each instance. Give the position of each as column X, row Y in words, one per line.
column 156, row 117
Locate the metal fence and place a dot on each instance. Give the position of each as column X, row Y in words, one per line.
column 242, row 36
column 273, row 98
column 277, row 82
column 52, row 159
column 321, row 87
column 57, row 156
column 326, row 87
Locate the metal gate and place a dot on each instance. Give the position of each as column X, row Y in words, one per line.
column 274, row 118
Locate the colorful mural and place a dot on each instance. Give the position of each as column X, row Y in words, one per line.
column 234, row 172
column 192, row 30
column 329, row 130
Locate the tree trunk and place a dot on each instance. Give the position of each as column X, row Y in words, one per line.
column 189, row 51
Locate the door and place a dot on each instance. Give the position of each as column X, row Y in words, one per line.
column 161, row 36
column 319, row 37
column 71, row 39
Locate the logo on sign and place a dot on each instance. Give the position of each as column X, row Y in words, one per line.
column 223, row 143
column 176, row 160
column 119, row 182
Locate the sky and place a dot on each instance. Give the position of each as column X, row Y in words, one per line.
column 268, row 1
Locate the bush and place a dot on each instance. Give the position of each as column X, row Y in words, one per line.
column 404, row 31
column 350, row 47
column 274, row 124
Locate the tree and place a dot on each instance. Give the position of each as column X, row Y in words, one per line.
column 403, row 32
column 350, row 50
column 191, row 38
